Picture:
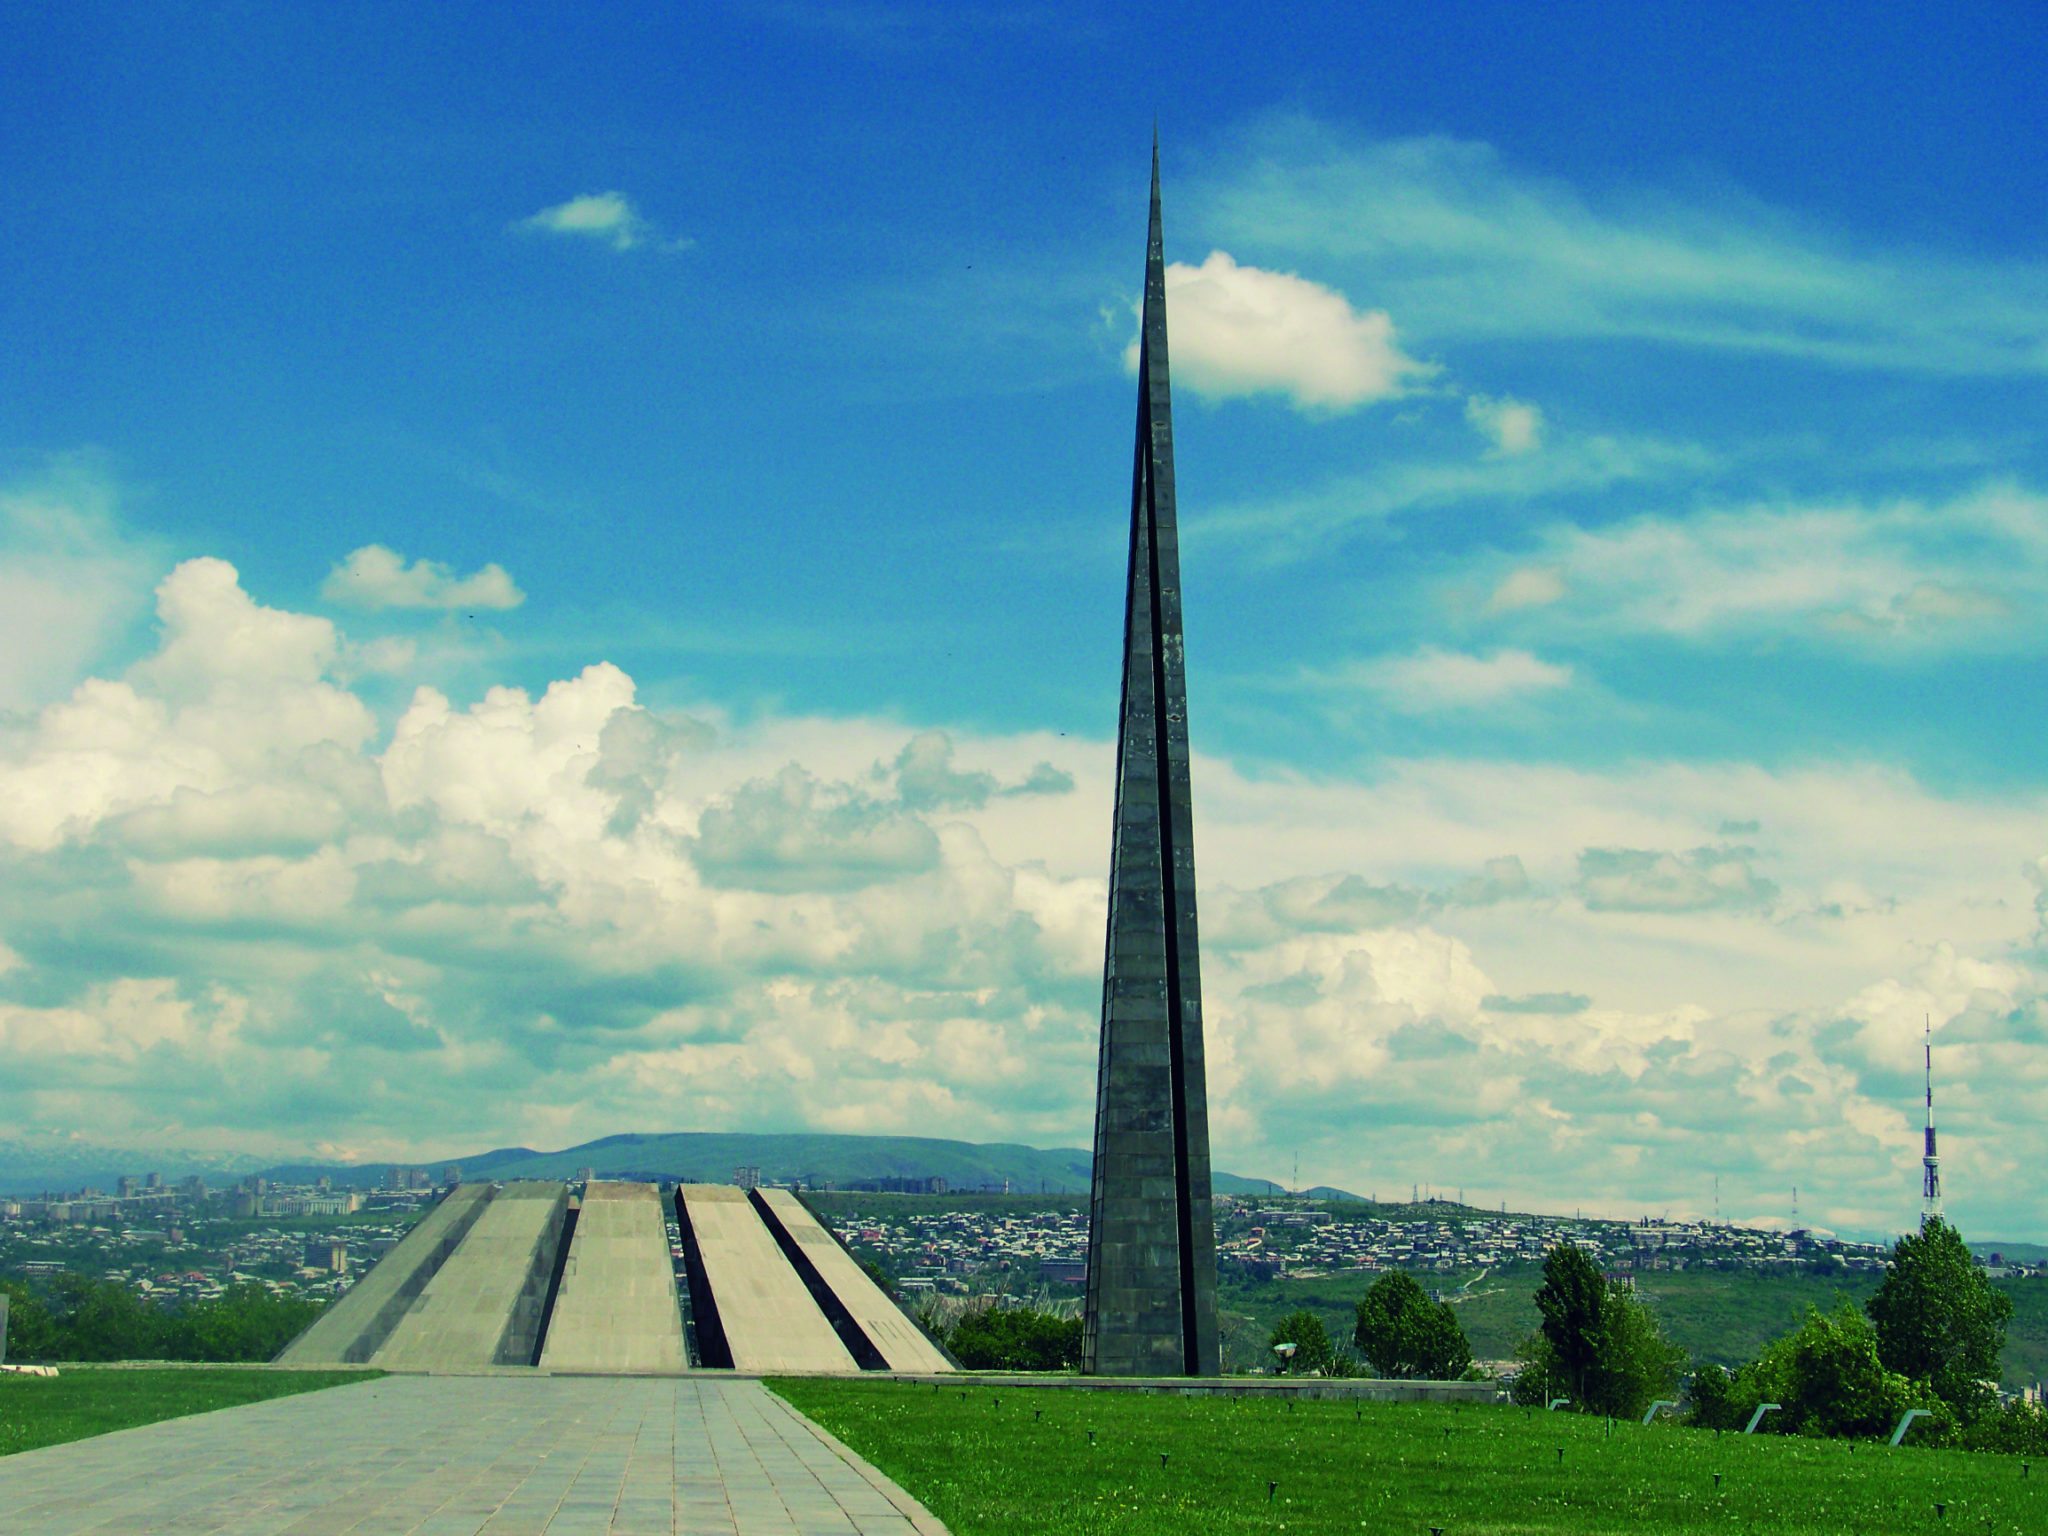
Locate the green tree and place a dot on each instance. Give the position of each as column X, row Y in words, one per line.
column 245, row 1322
column 1940, row 1320
column 1598, row 1344
column 1711, row 1398
column 1400, row 1332
column 1634, row 1363
column 100, row 1320
column 1313, row 1350
column 31, row 1331
column 1834, row 1381
column 1016, row 1339
column 1827, row 1378
column 1572, row 1301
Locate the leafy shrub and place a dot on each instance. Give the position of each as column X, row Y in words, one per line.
column 2017, row 1429
column 1711, row 1399
column 86, row 1319
column 1016, row 1339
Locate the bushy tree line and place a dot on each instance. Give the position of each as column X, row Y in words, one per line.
column 78, row 1318
column 1929, row 1338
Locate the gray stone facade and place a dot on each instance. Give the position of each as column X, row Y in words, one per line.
column 1151, row 1307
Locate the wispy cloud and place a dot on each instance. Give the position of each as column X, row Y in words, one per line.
column 1304, row 525
column 374, row 577
column 1239, row 330
column 1431, row 680
column 1461, row 242
column 606, row 217
column 1969, row 571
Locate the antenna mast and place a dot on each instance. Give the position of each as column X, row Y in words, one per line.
column 1930, row 1160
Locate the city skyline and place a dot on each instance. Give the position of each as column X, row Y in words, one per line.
column 555, row 575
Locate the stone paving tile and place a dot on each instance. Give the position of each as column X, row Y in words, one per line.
column 493, row 1455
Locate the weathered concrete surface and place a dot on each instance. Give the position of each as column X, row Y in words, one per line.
column 506, row 1455
column 770, row 1321
column 1151, row 1301
column 483, row 1307
column 902, row 1344
column 356, row 1326
column 617, row 1308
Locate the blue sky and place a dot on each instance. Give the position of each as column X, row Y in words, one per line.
column 562, row 574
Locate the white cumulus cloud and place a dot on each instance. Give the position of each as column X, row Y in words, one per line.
column 606, row 217
column 1239, row 330
column 546, row 916
column 375, row 577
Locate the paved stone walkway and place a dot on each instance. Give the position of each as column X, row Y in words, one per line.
column 467, row 1456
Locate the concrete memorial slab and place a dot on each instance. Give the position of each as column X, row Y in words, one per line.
column 616, row 1308
column 901, row 1342
column 485, row 1303
column 356, row 1326
column 770, row 1320
column 506, row 1455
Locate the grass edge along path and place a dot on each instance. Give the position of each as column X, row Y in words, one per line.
column 1011, row 1461
column 83, row 1401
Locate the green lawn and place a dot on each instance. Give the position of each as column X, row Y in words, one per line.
column 44, row 1410
column 1004, row 1461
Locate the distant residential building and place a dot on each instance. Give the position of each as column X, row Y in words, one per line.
column 326, row 1253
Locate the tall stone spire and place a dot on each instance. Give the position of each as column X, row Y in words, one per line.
column 1151, row 1307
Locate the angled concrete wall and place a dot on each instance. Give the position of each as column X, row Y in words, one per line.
column 616, row 1310
column 356, row 1326
column 484, row 1306
column 767, row 1315
column 900, row 1342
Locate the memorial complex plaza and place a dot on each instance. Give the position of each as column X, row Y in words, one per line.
column 509, row 1298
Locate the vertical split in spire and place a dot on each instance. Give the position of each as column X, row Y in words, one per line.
column 1151, row 1306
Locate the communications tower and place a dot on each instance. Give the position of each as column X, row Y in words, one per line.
column 1930, row 1160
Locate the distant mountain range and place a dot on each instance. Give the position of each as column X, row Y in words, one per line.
column 711, row 1157
column 694, row 1156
